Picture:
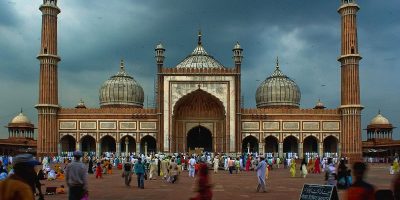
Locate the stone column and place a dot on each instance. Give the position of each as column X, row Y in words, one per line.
column 77, row 146
column 320, row 149
column 59, row 148
column 126, row 146
column 300, row 150
column 339, row 149
column 98, row 149
column 261, row 148
column 280, row 149
column 137, row 148
column 118, row 152
column 145, row 148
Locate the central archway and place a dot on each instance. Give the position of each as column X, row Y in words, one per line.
column 198, row 110
column 199, row 137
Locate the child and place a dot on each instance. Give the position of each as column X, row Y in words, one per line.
column 109, row 171
column 391, row 170
column 98, row 171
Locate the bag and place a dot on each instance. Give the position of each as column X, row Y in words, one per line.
column 85, row 197
column 342, row 181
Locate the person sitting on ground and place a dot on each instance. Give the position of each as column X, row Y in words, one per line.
column 360, row 190
column 60, row 190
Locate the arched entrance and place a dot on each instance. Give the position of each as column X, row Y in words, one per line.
column 108, row 144
column 195, row 111
column 148, row 143
column 199, row 137
column 290, row 146
column 250, row 143
column 271, row 146
column 68, row 144
column 310, row 145
column 88, row 145
column 330, row 146
column 130, row 141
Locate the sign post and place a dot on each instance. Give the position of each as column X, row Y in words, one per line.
column 319, row 192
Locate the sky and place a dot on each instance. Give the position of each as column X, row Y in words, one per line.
column 93, row 36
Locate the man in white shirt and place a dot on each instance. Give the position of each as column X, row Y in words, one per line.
column 192, row 163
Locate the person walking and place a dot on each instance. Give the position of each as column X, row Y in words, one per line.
column 330, row 174
column 99, row 173
column 360, row 190
column 127, row 173
column 261, row 170
column 173, row 171
column 231, row 165
column 192, row 163
column 204, row 187
column 76, row 177
column 342, row 180
column 237, row 165
column 216, row 164
column 293, row 168
column 303, row 168
column 20, row 185
column 90, row 169
column 139, row 171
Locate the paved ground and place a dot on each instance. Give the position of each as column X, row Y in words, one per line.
column 236, row 186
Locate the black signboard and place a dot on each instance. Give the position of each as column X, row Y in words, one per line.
column 319, row 192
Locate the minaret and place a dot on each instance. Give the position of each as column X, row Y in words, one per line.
column 350, row 83
column 237, row 59
column 160, row 93
column 48, row 84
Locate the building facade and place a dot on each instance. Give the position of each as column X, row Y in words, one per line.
column 198, row 105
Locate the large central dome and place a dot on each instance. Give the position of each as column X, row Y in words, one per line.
column 278, row 90
column 199, row 58
column 121, row 90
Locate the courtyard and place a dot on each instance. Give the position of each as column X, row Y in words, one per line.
column 225, row 186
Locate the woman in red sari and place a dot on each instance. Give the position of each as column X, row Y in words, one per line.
column 317, row 168
column 248, row 163
column 204, row 187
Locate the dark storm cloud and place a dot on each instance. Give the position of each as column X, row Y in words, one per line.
column 95, row 35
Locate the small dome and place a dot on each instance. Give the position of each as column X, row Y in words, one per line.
column 319, row 105
column 81, row 104
column 159, row 46
column 278, row 90
column 199, row 58
column 237, row 46
column 20, row 119
column 121, row 90
column 379, row 120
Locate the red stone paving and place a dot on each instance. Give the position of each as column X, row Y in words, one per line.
column 225, row 186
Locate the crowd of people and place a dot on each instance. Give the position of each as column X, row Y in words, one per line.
column 76, row 167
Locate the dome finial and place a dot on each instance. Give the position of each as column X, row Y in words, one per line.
column 277, row 62
column 21, row 109
column 199, row 37
column 122, row 64
column 379, row 111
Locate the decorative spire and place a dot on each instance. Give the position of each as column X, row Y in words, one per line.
column 277, row 62
column 122, row 64
column 199, row 38
column 21, row 109
column 379, row 111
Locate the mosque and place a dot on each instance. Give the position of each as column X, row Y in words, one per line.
column 198, row 105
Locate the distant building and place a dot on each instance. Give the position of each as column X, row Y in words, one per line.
column 199, row 105
column 20, row 137
column 380, row 143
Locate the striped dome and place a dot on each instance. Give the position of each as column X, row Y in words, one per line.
column 121, row 90
column 278, row 90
